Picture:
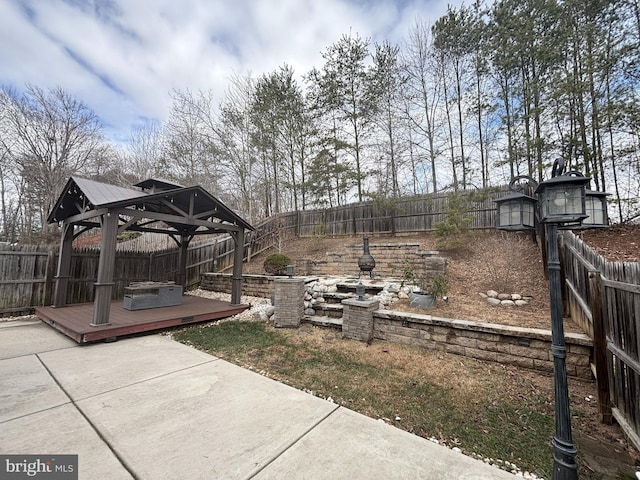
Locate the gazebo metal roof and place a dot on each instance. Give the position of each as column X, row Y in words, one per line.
column 184, row 210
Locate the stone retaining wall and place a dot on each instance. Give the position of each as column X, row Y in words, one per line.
column 389, row 257
column 524, row 347
column 252, row 285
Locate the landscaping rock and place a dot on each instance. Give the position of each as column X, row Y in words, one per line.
column 393, row 288
column 506, row 299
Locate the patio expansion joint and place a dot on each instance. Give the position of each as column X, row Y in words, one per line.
column 39, row 352
column 73, row 402
column 292, row 443
column 69, row 401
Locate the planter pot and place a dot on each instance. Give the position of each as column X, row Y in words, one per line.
column 422, row 300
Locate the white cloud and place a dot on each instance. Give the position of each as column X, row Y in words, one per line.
column 122, row 57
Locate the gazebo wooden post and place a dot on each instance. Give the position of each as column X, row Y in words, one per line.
column 106, row 266
column 64, row 266
column 238, row 257
column 181, row 273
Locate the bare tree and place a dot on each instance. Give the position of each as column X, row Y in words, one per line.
column 146, row 144
column 56, row 136
column 232, row 133
column 10, row 184
column 423, row 93
column 189, row 155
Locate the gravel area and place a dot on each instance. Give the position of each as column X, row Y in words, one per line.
column 20, row 318
column 258, row 306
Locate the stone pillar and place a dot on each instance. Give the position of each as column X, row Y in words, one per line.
column 357, row 318
column 288, row 298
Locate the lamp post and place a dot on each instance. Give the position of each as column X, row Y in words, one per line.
column 559, row 201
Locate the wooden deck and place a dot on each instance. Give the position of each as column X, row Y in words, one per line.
column 74, row 320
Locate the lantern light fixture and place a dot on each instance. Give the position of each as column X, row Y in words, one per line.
column 596, row 210
column 562, row 198
column 516, row 211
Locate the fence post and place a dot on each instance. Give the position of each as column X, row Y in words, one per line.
column 49, row 274
column 563, row 276
column 596, row 304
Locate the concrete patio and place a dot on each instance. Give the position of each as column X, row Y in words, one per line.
column 150, row 408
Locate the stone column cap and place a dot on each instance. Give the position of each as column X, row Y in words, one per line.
column 289, row 280
column 366, row 303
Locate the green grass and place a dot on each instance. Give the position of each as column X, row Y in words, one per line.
column 482, row 408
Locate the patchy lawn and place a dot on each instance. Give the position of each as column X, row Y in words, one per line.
column 501, row 413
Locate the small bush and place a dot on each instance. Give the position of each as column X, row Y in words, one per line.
column 439, row 285
column 276, row 264
column 453, row 232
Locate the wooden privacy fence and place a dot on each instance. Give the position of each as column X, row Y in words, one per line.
column 25, row 277
column 604, row 298
column 403, row 215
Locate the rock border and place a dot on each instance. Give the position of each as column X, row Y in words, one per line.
column 505, row 299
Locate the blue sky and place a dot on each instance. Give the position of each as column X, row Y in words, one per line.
column 123, row 57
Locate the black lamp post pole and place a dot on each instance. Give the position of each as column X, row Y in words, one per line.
column 564, row 457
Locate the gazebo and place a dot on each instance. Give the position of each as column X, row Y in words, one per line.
column 156, row 206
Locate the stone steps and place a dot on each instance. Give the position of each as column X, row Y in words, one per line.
column 322, row 321
column 336, row 297
column 369, row 287
column 331, row 306
column 333, row 310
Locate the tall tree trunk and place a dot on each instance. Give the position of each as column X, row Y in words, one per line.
column 463, row 160
column 448, row 112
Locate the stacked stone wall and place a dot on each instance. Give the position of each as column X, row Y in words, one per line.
column 391, row 259
column 524, row 347
column 252, row 285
